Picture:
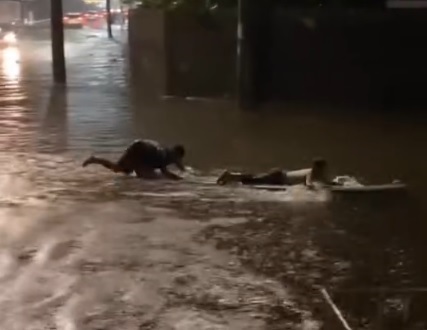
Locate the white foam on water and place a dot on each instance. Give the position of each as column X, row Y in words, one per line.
column 95, row 266
column 293, row 194
column 78, row 252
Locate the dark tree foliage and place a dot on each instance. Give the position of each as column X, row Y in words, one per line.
column 175, row 4
column 330, row 3
column 212, row 4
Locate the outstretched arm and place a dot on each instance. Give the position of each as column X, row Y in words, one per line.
column 334, row 183
column 169, row 174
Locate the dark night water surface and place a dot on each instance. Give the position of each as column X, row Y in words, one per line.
column 46, row 132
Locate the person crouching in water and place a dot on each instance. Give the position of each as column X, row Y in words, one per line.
column 317, row 174
column 144, row 157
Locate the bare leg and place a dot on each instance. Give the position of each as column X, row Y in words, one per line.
column 274, row 177
column 103, row 162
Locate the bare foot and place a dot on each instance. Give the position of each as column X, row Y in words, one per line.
column 88, row 161
column 224, row 178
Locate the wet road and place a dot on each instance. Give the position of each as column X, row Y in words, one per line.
column 82, row 249
column 79, row 247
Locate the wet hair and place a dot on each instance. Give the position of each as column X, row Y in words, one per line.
column 319, row 163
column 318, row 168
column 178, row 150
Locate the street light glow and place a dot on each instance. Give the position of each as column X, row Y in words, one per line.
column 10, row 38
column 11, row 65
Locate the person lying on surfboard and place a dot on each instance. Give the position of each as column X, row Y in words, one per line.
column 144, row 157
column 317, row 174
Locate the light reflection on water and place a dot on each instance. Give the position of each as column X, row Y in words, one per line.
column 11, row 66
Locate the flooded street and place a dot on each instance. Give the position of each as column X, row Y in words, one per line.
column 86, row 249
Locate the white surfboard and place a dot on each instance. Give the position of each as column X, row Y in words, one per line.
column 268, row 187
column 344, row 188
column 370, row 188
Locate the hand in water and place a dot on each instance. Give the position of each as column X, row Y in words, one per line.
column 189, row 172
column 189, row 169
column 88, row 161
column 316, row 186
column 346, row 180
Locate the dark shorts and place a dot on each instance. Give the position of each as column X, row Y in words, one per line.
column 274, row 177
column 142, row 156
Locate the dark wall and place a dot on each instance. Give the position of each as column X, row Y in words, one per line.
column 179, row 54
column 147, row 54
column 40, row 9
column 406, row 74
column 350, row 56
column 201, row 53
column 335, row 55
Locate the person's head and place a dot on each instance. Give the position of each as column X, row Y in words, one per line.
column 178, row 152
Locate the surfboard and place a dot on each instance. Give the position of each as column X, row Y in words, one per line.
column 345, row 188
column 370, row 188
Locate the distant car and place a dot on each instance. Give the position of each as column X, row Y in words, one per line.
column 73, row 20
column 7, row 37
column 92, row 15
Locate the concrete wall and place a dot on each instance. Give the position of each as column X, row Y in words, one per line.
column 201, row 55
column 178, row 54
column 147, row 51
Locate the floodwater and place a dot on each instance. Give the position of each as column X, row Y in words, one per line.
column 86, row 249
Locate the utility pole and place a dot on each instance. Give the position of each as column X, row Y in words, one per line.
column 253, row 35
column 245, row 66
column 57, row 35
column 108, row 7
